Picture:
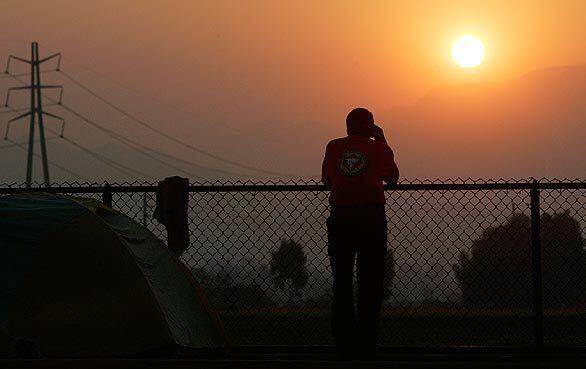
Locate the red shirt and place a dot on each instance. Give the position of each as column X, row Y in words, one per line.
column 354, row 167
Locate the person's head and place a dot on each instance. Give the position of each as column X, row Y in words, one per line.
column 359, row 121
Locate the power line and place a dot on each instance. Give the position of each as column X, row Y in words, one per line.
column 132, row 144
column 169, row 105
column 21, row 146
column 177, row 108
column 13, row 110
column 6, row 75
column 145, row 150
column 172, row 106
column 167, row 136
column 201, row 166
column 135, row 145
column 124, row 140
column 107, row 161
column 10, row 146
column 111, row 163
column 10, row 75
column 117, row 166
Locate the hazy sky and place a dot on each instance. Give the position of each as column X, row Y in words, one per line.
column 247, row 79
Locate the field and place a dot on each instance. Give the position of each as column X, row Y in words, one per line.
column 407, row 328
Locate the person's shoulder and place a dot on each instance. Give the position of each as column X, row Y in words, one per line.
column 337, row 141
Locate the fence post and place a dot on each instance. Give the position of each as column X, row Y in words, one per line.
column 144, row 209
column 107, row 195
column 171, row 211
column 536, row 266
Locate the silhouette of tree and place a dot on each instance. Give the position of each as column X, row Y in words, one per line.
column 287, row 267
column 389, row 275
column 497, row 271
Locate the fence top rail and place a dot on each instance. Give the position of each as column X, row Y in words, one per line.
column 399, row 187
column 99, row 189
column 78, row 189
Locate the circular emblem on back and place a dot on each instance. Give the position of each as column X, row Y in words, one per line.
column 352, row 163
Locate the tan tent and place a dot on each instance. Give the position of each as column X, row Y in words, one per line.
column 79, row 279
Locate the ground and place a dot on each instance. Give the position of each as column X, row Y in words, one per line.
column 409, row 360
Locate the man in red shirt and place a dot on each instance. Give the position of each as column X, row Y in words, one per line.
column 354, row 169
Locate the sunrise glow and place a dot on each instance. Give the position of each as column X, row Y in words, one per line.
column 468, row 51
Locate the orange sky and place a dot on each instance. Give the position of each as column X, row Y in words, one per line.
column 253, row 64
column 380, row 51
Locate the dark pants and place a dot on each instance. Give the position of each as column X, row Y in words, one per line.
column 357, row 232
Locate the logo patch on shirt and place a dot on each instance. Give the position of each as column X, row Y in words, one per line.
column 352, row 163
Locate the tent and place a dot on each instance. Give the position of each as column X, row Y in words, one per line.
column 78, row 279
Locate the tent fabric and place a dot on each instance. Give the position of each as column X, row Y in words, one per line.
column 185, row 316
column 89, row 281
column 25, row 221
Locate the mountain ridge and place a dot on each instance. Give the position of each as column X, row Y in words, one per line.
column 532, row 124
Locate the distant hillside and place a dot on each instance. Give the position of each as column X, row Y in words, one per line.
column 534, row 125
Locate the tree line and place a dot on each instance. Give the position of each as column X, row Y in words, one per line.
column 495, row 272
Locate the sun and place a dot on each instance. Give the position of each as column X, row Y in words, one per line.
column 468, row 51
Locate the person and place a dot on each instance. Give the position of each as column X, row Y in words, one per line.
column 354, row 169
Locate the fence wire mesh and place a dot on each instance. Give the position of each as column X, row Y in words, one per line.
column 459, row 260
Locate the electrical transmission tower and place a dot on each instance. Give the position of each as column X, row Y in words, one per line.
column 36, row 108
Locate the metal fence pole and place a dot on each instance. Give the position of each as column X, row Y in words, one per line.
column 536, row 267
column 107, row 195
column 144, row 209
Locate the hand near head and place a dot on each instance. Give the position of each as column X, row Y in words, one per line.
column 378, row 134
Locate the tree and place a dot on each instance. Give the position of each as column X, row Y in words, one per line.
column 288, row 269
column 498, row 269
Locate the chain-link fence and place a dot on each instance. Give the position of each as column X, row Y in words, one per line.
column 469, row 263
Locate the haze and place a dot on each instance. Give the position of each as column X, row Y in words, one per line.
column 268, row 83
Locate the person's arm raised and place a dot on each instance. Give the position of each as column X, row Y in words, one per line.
column 390, row 169
column 378, row 134
column 325, row 179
